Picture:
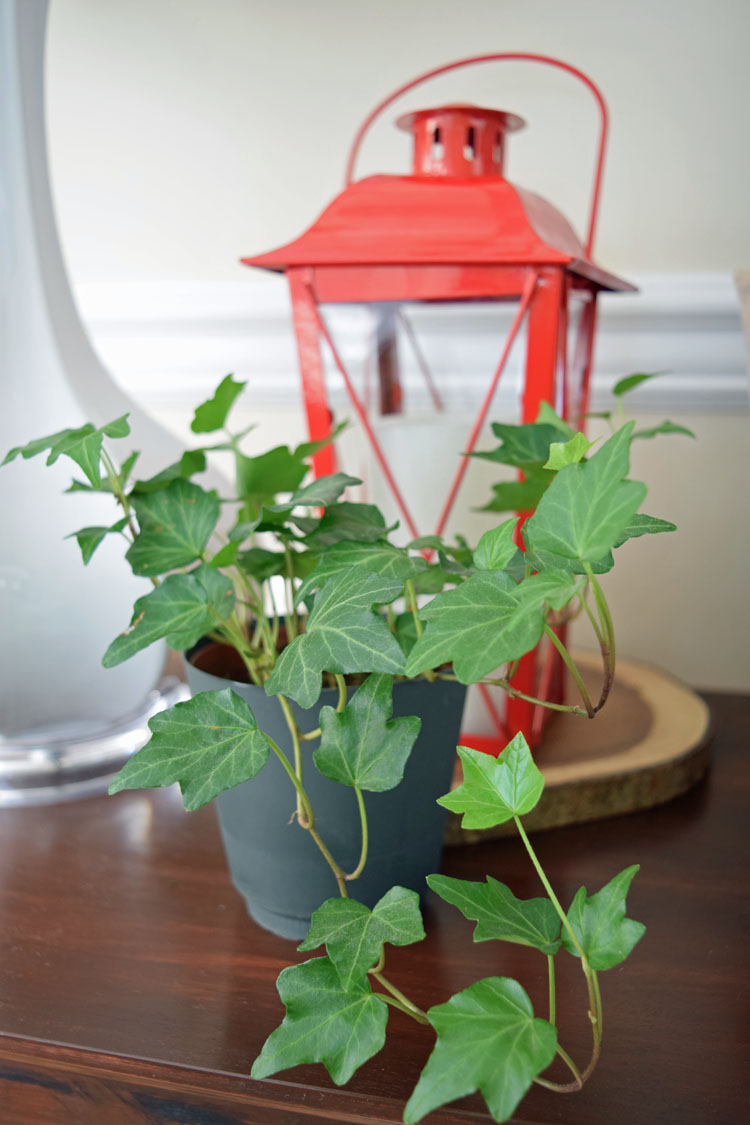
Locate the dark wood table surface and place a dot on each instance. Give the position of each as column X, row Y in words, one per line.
column 134, row 988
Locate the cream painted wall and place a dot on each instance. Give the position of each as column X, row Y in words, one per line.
column 184, row 133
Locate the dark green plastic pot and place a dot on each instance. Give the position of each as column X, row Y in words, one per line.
column 276, row 866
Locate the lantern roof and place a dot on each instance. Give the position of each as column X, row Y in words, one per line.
column 456, row 210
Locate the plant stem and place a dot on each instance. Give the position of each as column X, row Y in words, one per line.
column 404, row 1003
column 592, row 984
column 301, row 794
column 294, row 731
column 571, row 1066
column 412, row 598
column 401, row 1007
column 341, row 685
column 551, row 974
column 568, row 707
column 570, row 665
column 552, row 896
column 607, row 643
column 363, row 820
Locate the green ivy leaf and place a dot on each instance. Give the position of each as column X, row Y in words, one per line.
column 486, row 621
column 212, row 414
column 631, row 381
column 487, row 1040
column 545, row 560
column 324, row 1022
column 666, row 427
column 226, row 555
column 499, row 914
column 260, row 478
column 261, row 564
column 89, row 538
column 82, row 444
column 641, row 524
column 587, row 506
column 548, row 416
column 342, row 635
column 362, row 745
column 520, row 495
column 497, row 546
column 318, row 494
column 405, row 631
column 175, row 525
column 208, row 744
column 363, row 523
column 181, row 609
column 308, row 449
column 495, row 789
column 192, row 461
column 606, row 936
column 380, row 558
column 354, row 935
column 524, row 445
column 569, row 452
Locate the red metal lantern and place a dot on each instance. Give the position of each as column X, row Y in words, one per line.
column 453, row 230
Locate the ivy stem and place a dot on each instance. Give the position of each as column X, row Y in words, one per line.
column 411, row 595
column 301, row 794
column 595, row 1001
column 294, row 731
column 401, row 1007
column 552, row 896
column 341, row 685
column 571, row 1067
column 403, row 1003
column 363, row 819
column 551, row 974
column 607, row 643
column 568, row 707
column 571, row 666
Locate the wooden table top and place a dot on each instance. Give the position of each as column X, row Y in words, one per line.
column 134, row 987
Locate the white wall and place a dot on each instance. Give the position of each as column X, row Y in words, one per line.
column 184, row 133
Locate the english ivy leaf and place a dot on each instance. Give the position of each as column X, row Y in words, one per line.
column 607, row 937
column 406, row 632
column 569, row 452
column 318, row 494
column 548, row 416
column 208, row 744
column 641, row 524
column 342, row 635
column 587, row 506
column 426, row 543
column 631, row 381
column 362, row 745
column 324, row 1022
column 128, row 464
column 432, row 580
column 260, row 478
column 487, row 1040
column 363, row 523
column 192, row 461
column 354, row 935
column 495, row 789
column 524, row 445
column 226, row 555
column 308, row 449
column 89, row 538
column 664, row 428
column 485, row 622
column 212, row 414
column 120, row 428
column 379, row 557
column 175, row 525
column 261, row 564
column 520, row 495
column 496, row 547
column 499, row 914
column 545, row 560
column 38, row 445
column 181, row 609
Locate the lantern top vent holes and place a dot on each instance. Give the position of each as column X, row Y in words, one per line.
column 459, row 140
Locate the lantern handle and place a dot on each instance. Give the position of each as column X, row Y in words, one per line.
column 512, row 56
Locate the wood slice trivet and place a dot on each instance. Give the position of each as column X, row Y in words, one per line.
column 649, row 743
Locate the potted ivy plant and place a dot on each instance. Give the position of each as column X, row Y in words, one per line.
column 324, row 617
